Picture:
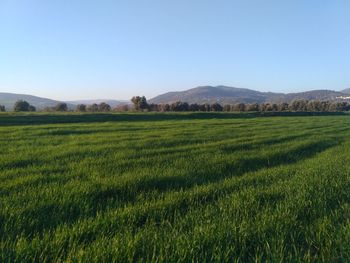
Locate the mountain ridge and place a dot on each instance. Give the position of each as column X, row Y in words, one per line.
column 229, row 95
column 9, row 99
column 202, row 94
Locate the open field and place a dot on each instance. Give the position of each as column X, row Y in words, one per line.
column 174, row 187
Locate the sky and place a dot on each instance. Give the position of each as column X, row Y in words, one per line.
column 82, row 49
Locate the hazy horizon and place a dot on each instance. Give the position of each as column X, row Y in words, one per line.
column 116, row 49
column 128, row 99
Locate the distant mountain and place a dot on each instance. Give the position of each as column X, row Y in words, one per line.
column 321, row 95
column 9, row 99
column 203, row 94
column 224, row 94
column 346, row 91
column 112, row 103
column 209, row 94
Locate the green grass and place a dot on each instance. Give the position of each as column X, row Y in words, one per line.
column 193, row 187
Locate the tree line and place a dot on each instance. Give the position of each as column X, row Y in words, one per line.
column 140, row 104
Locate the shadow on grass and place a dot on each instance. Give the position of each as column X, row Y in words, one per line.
column 49, row 216
column 40, row 118
column 241, row 167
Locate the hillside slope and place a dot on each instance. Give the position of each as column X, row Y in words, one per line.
column 224, row 94
column 9, row 99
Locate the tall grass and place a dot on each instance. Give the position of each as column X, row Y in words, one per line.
column 174, row 188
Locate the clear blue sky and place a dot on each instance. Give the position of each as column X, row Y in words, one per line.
column 77, row 49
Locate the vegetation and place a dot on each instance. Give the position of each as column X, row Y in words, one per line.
column 140, row 104
column 81, row 108
column 190, row 187
column 296, row 105
column 61, row 107
column 2, row 108
column 22, row 105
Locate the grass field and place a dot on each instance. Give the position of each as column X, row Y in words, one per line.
column 174, row 188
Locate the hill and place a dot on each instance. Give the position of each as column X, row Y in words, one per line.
column 209, row 94
column 224, row 94
column 346, row 91
column 9, row 99
column 321, row 95
column 203, row 94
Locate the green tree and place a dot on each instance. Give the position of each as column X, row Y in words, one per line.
column 140, row 103
column 216, row 107
column 299, row 105
column 194, row 107
column 283, row 106
column 153, row 107
column 164, row 107
column 104, row 107
column 253, row 107
column 227, row 107
column 274, row 107
column 81, row 108
column 31, row 108
column 61, row 107
column 92, row 108
column 21, row 105
column 179, row 106
column 239, row 107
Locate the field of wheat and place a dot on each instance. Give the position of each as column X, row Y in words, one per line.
column 174, row 188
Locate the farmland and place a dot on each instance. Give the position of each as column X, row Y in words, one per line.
column 174, row 188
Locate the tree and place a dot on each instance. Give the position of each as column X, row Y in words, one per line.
column 274, row 107
column 239, row 107
column 2, row 108
column 216, row 107
column 81, row 108
column 92, row 108
column 314, row 106
column 153, row 107
column 283, row 106
column 265, row 107
column 21, row 105
column 179, row 106
column 253, row 107
column 202, row 107
column 164, row 107
column 31, row 108
column 136, row 101
column 324, row 105
column 194, row 107
column 338, row 106
column 61, row 107
column 206, row 107
column 299, row 105
column 104, row 107
column 140, row 103
column 122, row 107
column 227, row 107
